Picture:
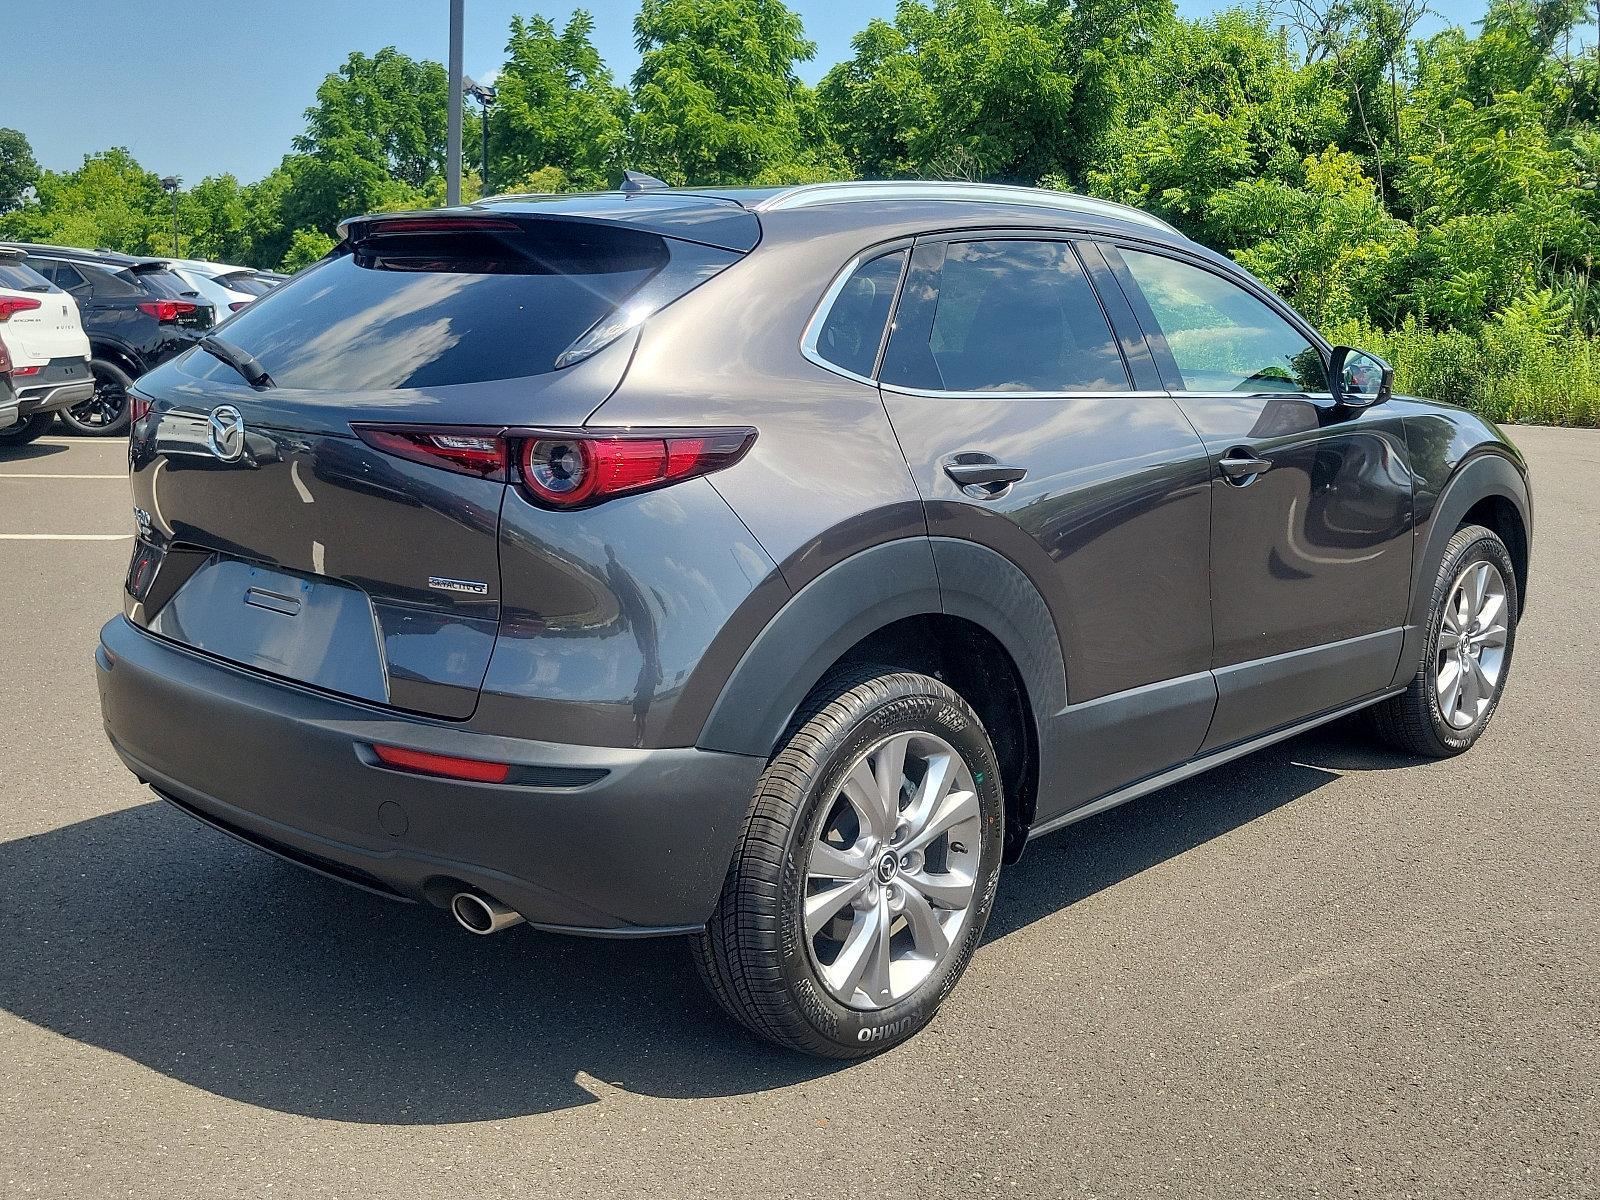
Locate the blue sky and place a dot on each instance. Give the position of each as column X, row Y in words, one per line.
column 199, row 88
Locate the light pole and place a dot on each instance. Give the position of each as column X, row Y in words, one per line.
column 170, row 185
column 485, row 96
column 452, row 145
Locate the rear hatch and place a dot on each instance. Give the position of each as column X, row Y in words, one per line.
column 338, row 525
column 174, row 300
column 41, row 321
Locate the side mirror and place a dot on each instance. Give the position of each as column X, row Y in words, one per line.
column 1358, row 379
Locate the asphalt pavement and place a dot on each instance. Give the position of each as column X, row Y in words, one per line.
column 1324, row 970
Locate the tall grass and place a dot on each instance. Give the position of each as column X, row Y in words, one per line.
column 1506, row 372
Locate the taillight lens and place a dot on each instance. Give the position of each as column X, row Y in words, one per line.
column 138, row 407
column 467, row 451
column 236, row 305
column 558, row 469
column 10, row 305
column 5, row 360
column 166, row 311
column 580, row 469
column 20, row 372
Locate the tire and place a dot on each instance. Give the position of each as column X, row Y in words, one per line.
column 105, row 414
column 756, row 955
column 1416, row 721
column 27, row 430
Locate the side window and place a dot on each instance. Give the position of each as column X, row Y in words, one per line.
column 1221, row 337
column 111, row 285
column 853, row 329
column 67, row 276
column 1002, row 315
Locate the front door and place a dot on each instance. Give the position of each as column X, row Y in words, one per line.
column 1031, row 430
column 1311, row 502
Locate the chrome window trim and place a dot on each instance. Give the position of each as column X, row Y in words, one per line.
column 1108, row 394
column 819, row 316
column 813, row 194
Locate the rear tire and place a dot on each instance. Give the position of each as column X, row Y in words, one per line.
column 27, row 430
column 793, row 950
column 105, row 414
column 1466, row 658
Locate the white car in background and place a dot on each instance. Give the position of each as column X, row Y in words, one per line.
column 44, row 365
column 228, row 287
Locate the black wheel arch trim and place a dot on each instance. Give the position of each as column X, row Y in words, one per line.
column 1484, row 474
column 866, row 592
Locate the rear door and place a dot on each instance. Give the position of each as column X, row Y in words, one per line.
column 341, row 527
column 1030, row 429
column 1311, row 503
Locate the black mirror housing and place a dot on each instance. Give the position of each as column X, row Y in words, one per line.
column 1347, row 391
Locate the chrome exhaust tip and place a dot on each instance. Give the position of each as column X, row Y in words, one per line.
column 481, row 915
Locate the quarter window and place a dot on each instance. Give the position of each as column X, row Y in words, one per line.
column 1222, row 338
column 1003, row 315
column 853, row 329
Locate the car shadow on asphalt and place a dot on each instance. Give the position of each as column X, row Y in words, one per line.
column 146, row 934
column 29, row 451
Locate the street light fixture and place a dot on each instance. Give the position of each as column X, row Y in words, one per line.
column 485, row 96
column 170, row 185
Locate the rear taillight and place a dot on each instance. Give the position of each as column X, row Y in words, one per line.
column 138, row 407
column 566, row 469
column 5, row 360
column 22, row 372
column 236, row 305
column 166, row 311
column 10, row 305
column 468, row 451
column 580, row 469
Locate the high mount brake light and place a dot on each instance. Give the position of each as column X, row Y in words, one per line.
column 563, row 470
column 10, row 305
column 438, row 225
column 166, row 311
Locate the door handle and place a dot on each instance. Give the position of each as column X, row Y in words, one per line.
column 982, row 470
column 1239, row 466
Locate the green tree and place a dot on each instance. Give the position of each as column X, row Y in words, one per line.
column 557, row 106
column 305, row 247
column 716, row 99
column 213, row 215
column 18, row 170
column 388, row 111
column 110, row 201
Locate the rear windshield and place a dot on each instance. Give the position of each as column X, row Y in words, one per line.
column 160, row 282
column 430, row 308
column 19, row 277
column 245, row 282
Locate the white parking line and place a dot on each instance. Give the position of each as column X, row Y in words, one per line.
column 113, row 443
column 47, row 475
column 65, row 537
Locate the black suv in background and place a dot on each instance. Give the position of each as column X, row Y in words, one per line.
column 137, row 313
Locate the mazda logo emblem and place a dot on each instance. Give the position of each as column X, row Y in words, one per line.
column 226, row 434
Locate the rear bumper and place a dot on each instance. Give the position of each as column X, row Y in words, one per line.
column 621, row 842
column 53, row 398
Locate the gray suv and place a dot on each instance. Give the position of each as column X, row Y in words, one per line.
column 771, row 566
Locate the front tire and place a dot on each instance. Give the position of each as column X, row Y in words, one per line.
column 866, row 871
column 1472, row 627
column 104, row 414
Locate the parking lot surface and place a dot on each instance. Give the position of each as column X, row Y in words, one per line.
column 1322, row 970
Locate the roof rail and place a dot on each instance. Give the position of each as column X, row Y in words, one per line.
column 811, row 194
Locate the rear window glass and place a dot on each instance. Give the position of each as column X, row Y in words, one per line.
column 246, row 283
column 430, row 309
column 853, row 329
column 1007, row 315
column 159, row 282
column 19, row 277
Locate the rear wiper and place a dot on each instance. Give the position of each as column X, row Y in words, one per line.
column 240, row 360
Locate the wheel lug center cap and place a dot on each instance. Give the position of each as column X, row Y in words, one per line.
column 888, row 867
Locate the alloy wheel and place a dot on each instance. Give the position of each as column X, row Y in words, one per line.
column 1472, row 645
column 892, row 870
column 103, row 409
